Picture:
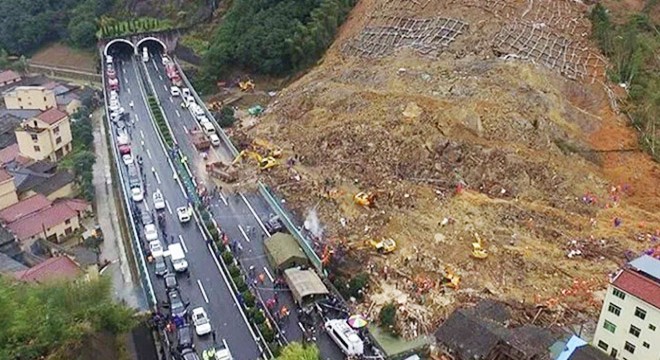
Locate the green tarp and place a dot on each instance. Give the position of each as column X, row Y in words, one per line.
column 283, row 251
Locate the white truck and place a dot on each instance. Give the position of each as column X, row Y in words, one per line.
column 145, row 54
column 178, row 257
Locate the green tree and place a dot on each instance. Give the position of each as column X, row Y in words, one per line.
column 82, row 34
column 226, row 117
column 387, row 315
column 297, row 351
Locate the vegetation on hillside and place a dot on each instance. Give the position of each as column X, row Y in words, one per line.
column 110, row 27
column 81, row 159
column 273, row 37
column 634, row 50
column 42, row 319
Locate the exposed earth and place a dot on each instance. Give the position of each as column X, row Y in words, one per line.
column 436, row 108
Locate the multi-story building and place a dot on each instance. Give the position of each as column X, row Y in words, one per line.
column 8, row 194
column 46, row 136
column 628, row 327
column 30, row 98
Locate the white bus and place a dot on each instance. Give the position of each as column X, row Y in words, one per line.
column 145, row 54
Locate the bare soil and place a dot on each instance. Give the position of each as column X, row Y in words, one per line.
column 63, row 56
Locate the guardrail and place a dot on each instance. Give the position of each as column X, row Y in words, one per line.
column 138, row 255
column 263, row 189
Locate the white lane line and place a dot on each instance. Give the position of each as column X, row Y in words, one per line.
column 146, row 205
column 149, row 153
column 177, row 113
column 123, row 70
column 165, row 86
column 128, row 89
column 183, row 244
column 268, row 274
column 185, row 129
column 201, row 288
column 141, row 134
column 169, row 209
column 157, row 178
column 171, row 100
column 137, row 118
column 301, row 327
column 224, row 200
column 254, row 213
column 244, row 234
column 160, row 77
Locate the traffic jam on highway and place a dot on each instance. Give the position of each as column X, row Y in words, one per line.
column 197, row 310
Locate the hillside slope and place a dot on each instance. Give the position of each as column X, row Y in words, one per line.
column 431, row 106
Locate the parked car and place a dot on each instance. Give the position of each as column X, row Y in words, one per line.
column 215, row 140
column 160, row 266
column 175, row 91
column 127, row 158
column 146, row 217
column 177, row 307
column 155, row 248
column 274, row 224
column 184, row 339
column 201, row 321
column 150, row 232
column 170, row 282
column 184, row 213
column 189, row 354
column 136, row 193
column 159, row 200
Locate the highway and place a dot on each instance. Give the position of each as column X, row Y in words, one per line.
column 206, row 286
column 241, row 216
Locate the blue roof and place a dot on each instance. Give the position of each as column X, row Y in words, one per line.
column 573, row 343
column 648, row 265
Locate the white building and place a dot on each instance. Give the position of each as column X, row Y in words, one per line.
column 629, row 323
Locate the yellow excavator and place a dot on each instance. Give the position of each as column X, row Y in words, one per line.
column 364, row 199
column 383, row 246
column 247, row 85
column 265, row 163
column 478, row 250
column 271, row 149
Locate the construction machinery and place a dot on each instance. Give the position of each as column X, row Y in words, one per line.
column 477, row 248
column 200, row 140
column 383, row 246
column 271, row 150
column 247, row 85
column 265, row 163
column 222, row 172
column 364, row 199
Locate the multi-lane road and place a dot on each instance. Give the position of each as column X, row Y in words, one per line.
column 206, row 286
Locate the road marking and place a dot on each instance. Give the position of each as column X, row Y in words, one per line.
column 137, row 118
column 177, row 113
column 149, row 153
column 269, row 275
column 224, row 200
column 301, row 326
column 244, row 234
column 169, row 209
column 165, row 86
column 146, row 205
column 171, row 100
column 160, row 77
column 254, row 213
column 141, row 134
column 185, row 129
column 183, row 243
column 128, row 89
column 123, row 70
column 201, row 288
column 157, row 178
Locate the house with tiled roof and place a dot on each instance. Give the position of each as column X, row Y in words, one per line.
column 46, row 136
column 629, row 322
column 9, row 77
column 8, row 195
column 30, row 98
column 42, row 177
column 55, row 268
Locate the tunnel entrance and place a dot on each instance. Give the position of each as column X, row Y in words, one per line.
column 119, row 48
column 154, row 46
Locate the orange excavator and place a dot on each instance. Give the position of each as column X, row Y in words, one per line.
column 365, row 199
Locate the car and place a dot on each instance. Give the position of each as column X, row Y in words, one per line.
column 185, row 92
column 175, row 91
column 146, row 217
column 215, row 140
column 170, row 282
column 136, row 193
column 127, row 158
column 184, row 338
column 160, row 266
column 159, row 201
column 190, row 100
column 150, row 232
column 189, row 354
column 177, row 307
column 221, row 352
column 274, row 224
column 155, row 248
column 184, row 213
column 201, row 321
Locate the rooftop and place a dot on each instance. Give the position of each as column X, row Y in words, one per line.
column 9, row 265
column 25, row 207
column 9, row 75
column 54, row 268
column 4, row 175
column 51, row 116
column 637, row 284
column 588, row 352
column 648, row 265
column 20, row 113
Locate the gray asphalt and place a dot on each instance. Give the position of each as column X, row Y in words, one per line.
column 238, row 212
column 221, row 307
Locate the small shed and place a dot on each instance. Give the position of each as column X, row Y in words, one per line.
column 304, row 284
column 284, row 252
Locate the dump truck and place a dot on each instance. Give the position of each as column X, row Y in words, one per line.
column 222, row 172
column 200, row 140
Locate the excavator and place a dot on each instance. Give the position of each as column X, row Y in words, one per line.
column 265, row 163
column 478, row 251
column 247, row 85
column 271, row 149
column 450, row 279
column 364, row 199
column 383, row 246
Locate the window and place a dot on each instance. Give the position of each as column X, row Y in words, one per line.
column 618, row 293
column 19, row 99
column 37, row 148
column 634, row 330
column 640, row 313
column 614, row 309
column 609, row 326
column 629, row 348
column 651, row 327
column 34, row 137
column 68, row 231
column 58, row 140
column 614, row 352
column 56, row 130
column 603, row 345
column 67, row 221
column 45, row 99
column 646, row 345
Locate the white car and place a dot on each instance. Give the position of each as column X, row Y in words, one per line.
column 136, row 194
column 186, row 92
column 184, row 213
column 150, row 232
column 201, row 321
column 175, row 91
column 215, row 140
column 159, row 201
column 128, row 159
column 155, row 248
column 190, row 100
